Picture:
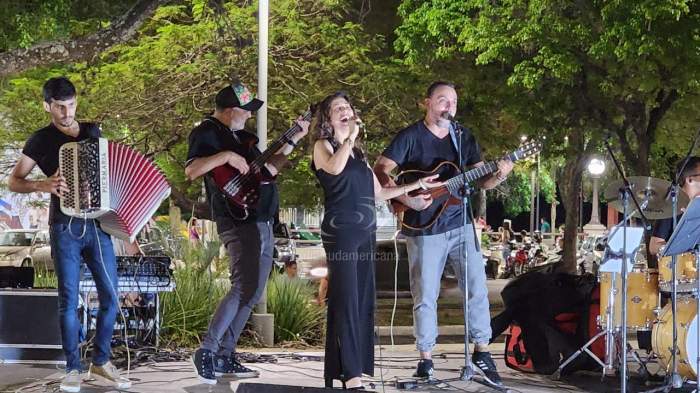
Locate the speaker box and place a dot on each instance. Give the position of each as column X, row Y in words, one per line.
column 248, row 387
column 16, row 277
column 29, row 327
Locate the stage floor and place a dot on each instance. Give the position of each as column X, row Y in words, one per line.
column 305, row 368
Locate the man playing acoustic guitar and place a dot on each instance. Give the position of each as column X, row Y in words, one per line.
column 434, row 231
column 221, row 140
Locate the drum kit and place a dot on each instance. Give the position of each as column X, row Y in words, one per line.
column 662, row 303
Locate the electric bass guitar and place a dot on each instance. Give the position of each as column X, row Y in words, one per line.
column 449, row 173
column 243, row 190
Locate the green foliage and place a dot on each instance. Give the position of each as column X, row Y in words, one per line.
column 28, row 22
column 187, row 310
column 198, row 287
column 485, row 239
column 297, row 317
column 517, row 190
column 45, row 279
column 149, row 93
column 565, row 67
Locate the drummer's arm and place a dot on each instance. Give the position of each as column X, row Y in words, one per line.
column 655, row 244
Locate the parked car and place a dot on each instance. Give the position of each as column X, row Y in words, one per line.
column 26, row 247
column 285, row 247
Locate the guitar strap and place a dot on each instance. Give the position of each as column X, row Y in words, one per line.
column 216, row 193
column 218, row 124
column 453, row 136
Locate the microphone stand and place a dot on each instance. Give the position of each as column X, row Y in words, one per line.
column 626, row 194
column 467, row 371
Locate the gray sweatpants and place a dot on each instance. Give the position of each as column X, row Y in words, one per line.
column 427, row 256
column 250, row 248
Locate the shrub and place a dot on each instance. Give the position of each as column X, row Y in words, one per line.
column 297, row 316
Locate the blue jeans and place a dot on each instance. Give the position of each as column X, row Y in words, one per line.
column 427, row 256
column 68, row 247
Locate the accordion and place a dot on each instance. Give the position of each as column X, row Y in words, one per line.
column 112, row 183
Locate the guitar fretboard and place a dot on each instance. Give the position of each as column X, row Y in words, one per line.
column 456, row 182
column 277, row 144
column 231, row 187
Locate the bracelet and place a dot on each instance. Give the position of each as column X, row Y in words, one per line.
column 500, row 178
column 291, row 143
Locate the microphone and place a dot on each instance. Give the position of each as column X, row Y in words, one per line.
column 455, row 124
column 360, row 125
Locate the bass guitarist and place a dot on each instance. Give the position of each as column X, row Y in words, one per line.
column 221, row 139
column 433, row 230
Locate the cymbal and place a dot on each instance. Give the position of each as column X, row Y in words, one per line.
column 654, row 190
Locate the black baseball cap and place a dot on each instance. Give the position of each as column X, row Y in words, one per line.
column 237, row 96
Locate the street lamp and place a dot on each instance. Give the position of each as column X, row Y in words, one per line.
column 596, row 168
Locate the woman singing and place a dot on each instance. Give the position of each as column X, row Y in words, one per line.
column 348, row 233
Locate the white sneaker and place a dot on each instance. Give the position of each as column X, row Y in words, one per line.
column 110, row 374
column 71, row 382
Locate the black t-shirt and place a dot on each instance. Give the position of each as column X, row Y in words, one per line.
column 664, row 228
column 43, row 146
column 211, row 137
column 416, row 147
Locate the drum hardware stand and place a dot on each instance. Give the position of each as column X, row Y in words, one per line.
column 696, row 251
column 611, row 332
column 612, row 336
column 625, row 194
column 685, row 238
column 674, row 380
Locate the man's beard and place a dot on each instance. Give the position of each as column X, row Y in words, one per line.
column 443, row 120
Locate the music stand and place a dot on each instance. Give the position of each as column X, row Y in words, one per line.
column 687, row 232
column 613, row 251
column 685, row 238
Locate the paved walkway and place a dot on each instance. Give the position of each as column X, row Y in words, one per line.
column 306, row 369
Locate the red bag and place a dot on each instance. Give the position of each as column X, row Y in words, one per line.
column 517, row 357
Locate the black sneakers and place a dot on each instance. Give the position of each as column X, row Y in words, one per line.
column 229, row 366
column 424, row 369
column 485, row 364
column 203, row 362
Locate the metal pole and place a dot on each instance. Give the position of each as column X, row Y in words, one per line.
column 623, row 301
column 537, row 196
column 532, row 202
column 262, row 321
column 696, row 250
column 263, row 16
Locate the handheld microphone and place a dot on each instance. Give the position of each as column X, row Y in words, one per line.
column 359, row 124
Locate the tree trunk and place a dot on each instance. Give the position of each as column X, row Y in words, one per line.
column 570, row 184
column 181, row 200
column 79, row 49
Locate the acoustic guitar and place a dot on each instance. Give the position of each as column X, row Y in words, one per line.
column 449, row 173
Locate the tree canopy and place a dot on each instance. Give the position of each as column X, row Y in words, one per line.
column 572, row 69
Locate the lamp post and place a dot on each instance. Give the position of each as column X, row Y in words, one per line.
column 596, row 168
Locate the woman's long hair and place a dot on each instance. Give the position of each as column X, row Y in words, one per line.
column 321, row 124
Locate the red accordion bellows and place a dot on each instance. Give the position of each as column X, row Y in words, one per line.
column 135, row 187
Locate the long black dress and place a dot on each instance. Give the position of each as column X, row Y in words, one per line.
column 348, row 234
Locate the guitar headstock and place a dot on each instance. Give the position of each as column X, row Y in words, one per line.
column 525, row 150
